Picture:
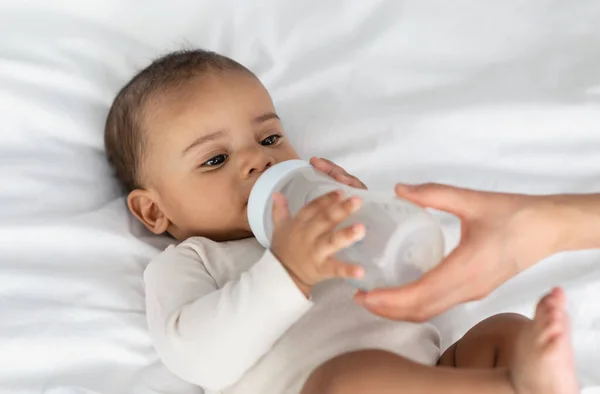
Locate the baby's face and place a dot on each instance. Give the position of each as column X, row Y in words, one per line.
column 207, row 145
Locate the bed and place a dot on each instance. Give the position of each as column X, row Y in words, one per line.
column 498, row 95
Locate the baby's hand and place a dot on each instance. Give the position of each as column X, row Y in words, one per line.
column 336, row 172
column 307, row 243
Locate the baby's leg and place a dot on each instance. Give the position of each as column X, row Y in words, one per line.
column 537, row 352
column 539, row 357
column 489, row 344
column 543, row 359
column 380, row 372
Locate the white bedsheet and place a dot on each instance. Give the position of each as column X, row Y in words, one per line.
column 498, row 95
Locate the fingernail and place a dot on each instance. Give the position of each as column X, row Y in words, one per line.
column 407, row 187
column 359, row 272
column 359, row 229
column 370, row 300
column 359, row 297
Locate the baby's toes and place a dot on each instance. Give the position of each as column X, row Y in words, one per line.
column 542, row 320
column 555, row 323
column 553, row 329
column 558, row 298
column 541, row 310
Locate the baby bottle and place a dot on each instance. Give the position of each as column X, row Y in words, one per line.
column 401, row 242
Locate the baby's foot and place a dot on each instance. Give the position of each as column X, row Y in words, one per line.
column 544, row 361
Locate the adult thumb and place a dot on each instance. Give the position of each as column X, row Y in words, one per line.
column 451, row 199
column 281, row 212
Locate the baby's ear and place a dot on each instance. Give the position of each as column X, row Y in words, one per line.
column 143, row 206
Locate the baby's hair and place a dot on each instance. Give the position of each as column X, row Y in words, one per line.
column 124, row 137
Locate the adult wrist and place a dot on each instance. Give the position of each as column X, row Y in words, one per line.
column 577, row 219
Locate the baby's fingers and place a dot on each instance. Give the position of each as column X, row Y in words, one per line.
column 336, row 172
column 350, row 180
column 331, row 216
column 319, row 205
column 337, row 269
column 334, row 241
column 326, row 166
column 281, row 211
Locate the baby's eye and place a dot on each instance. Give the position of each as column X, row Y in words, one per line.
column 215, row 161
column 270, row 140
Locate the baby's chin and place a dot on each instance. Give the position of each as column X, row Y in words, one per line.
column 228, row 233
column 235, row 236
column 247, row 228
column 242, row 231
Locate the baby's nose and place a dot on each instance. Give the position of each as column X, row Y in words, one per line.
column 257, row 164
column 262, row 167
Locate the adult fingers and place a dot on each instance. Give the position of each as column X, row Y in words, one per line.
column 437, row 291
column 451, row 199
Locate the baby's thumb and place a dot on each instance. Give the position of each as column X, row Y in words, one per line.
column 443, row 197
column 281, row 212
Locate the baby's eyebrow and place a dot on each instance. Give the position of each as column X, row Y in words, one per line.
column 266, row 116
column 202, row 140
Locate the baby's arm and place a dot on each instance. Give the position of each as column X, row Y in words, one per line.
column 211, row 336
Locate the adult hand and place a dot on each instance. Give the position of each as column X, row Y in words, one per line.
column 501, row 235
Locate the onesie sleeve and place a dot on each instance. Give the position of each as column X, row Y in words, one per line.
column 211, row 336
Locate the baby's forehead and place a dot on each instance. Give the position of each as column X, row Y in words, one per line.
column 224, row 94
column 208, row 103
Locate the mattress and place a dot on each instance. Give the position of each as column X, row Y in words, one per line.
column 498, row 96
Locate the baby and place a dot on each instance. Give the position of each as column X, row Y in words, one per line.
column 188, row 136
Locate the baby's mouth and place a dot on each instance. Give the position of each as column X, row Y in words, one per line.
column 246, row 199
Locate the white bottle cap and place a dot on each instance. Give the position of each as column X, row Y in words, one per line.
column 260, row 201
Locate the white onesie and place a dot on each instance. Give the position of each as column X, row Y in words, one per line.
column 227, row 317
